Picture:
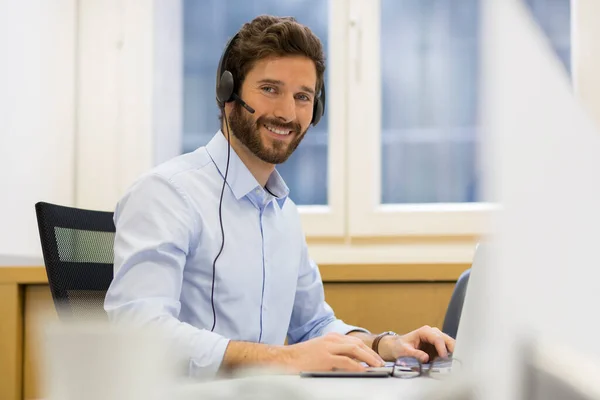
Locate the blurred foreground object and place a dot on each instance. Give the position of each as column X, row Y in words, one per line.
column 553, row 372
column 540, row 156
column 94, row 361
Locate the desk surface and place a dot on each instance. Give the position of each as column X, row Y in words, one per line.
column 296, row 388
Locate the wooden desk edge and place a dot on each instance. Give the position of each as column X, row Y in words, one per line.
column 23, row 275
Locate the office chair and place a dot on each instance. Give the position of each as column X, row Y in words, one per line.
column 77, row 246
column 452, row 318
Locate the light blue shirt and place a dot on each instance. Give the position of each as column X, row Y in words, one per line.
column 167, row 236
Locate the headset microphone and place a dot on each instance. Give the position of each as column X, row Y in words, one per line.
column 243, row 104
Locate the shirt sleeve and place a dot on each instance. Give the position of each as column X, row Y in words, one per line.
column 155, row 227
column 312, row 316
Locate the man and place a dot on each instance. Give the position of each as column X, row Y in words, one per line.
column 223, row 266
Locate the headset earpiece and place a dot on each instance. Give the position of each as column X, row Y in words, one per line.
column 225, row 83
column 317, row 112
column 319, row 107
column 225, row 87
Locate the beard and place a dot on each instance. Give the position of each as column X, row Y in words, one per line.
column 247, row 131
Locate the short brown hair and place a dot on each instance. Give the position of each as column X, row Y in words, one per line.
column 267, row 36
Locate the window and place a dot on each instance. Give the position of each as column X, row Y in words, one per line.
column 397, row 153
column 429, row 63
column 413, row 113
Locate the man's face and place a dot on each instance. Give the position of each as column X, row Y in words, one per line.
column 281, row 90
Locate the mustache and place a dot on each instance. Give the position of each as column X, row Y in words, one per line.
column 292, row 126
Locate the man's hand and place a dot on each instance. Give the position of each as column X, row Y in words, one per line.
column 330, row 352
column 423, row 343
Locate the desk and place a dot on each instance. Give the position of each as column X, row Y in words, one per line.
column 12, row 314
column 296, row 388
column 359, row 294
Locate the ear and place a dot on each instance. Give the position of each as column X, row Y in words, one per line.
column 229, row 108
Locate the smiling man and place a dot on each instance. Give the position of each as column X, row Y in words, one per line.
column 281, row 89
column 209, row 247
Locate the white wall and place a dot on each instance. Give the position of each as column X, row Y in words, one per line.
column 129, row 94
column 167, row 79
column 90, row 97
column 37, row 115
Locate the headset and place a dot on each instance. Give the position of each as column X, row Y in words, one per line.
column 225, row 90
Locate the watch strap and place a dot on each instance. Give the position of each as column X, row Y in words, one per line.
column 378, row 338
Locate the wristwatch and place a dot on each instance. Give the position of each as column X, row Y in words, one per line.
column 378, row 338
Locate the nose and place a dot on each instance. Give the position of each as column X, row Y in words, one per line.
column 286, row 109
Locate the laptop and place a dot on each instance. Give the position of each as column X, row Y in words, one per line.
column 473, row 304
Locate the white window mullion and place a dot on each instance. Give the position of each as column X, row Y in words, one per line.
column 329, row 221
column 364, row 110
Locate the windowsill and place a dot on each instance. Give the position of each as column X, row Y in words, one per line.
column 438, row 208
column 443, row 251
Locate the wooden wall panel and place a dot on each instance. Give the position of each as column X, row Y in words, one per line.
column 11, row 341
column 39, row 310
column 400, row 307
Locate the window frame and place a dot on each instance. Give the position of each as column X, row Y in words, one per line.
column 367, row 217
column 329, row 221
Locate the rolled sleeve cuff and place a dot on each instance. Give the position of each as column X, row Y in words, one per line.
column 207, row 365
column 339, row 326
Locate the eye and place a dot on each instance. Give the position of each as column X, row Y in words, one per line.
column 303, row 97
column 269, row 89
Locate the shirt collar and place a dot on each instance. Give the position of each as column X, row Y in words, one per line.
column 239, row 178
column 277, row 187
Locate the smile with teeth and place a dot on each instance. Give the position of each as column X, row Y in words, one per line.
column 278, row 131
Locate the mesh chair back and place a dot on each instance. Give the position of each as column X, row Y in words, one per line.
column 77, row 246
